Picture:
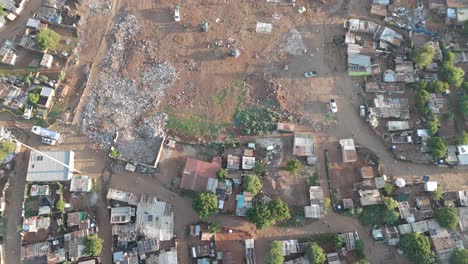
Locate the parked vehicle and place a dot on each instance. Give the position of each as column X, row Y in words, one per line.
column 27, row 112
column 204, row 26
column 177, row 14
column 48, row 141
column 333, row 106
column 43, row 132
column 310, row 74
column 362, row 110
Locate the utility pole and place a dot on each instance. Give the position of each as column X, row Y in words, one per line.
column 73, row 170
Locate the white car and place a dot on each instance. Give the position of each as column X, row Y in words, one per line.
column 48, row 141
column 177, row 14
column 333, row 106
column 362, row 110
column 27, row 112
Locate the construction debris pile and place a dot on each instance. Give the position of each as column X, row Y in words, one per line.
column 127, row 107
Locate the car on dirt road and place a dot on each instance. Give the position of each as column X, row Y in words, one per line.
column 362, row 110
column 310, row 74
column 333, row 106
column 177, row 14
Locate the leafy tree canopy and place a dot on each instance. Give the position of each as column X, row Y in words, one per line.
column 92, row 245
column 252, row 184
column 6, row 147
column 463, row 139
column 452, row 74
column 423, row 56
column 205, row 204
column 316, row 254
column 418, row 248
column 459, row 256
column 47, row 39
column 447, row 217
column 437, row 147
column 275, row 256
column 390, row 203
column 264, row 215
column 221, row 174
column 293, row 166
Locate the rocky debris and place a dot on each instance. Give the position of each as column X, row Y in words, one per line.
column 101, row 7
column 128, row 106
column 292, row 43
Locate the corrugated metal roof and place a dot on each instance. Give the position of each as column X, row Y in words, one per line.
column 196, row 174
column 43, row 169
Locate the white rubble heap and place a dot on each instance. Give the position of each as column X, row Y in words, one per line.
column 128, row 106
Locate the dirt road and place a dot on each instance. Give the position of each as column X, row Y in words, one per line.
column 19, row 24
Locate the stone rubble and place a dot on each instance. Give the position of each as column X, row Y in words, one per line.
column 128, row 106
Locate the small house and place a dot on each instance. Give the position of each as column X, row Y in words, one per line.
column 367, row 172
column 233, row 162
column 46, row 97
column 43, row 169
column 199, row 176
column 462, row 151
column 370, row 197
column 46, row 61
column 285, row 127
column 8, row 54
column 304, row 146
column 430, row 186
column 348, row 150
column 81, row 184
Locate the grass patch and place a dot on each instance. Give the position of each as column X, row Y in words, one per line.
column 54, row 114
column 4, row 225
column 6, row 148
column 372, row 215
column 297, row 218
column 38, row 121
column 314, row 180
column 193, row 127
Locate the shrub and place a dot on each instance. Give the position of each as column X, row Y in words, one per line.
column 33, row 96
column 6, row 147
column 275, row 256
column 221, row 174
column 437, row 194
column 316, row 254
column 214, row 227
column 463, row 139
column 326, row 205
column 338, row 241
column 389, row 203
column 259, row 168
column 206, row 204
column 360, row 248
column 459, row 256
column 47, row 39
column 433, row 125
column 60, row 205
column 114, row 153
column 388, row 188
column 447, row 217
column 293, row 166
column 2, row 12
column 252, row 184
column 256, row 121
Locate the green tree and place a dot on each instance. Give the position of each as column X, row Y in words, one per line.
column 60, row 205
column 433, row 125
column 448, row 116
column 447, row 217
column 33, row 96
column 423, row 56
column 388, row 188
column 437, row 147
column 293, row 166
column 452, row 74
column 391, row 216
column 259, row 168
column 338, row 241
column 326, row 205
column 449, row 57
column 275, row 256
column 279, row 210
column 222, row 174
column 47, row 39
column 389, row 203
column 261, row 216
column 417, row 248
column 459, row 256
column 92, row 245
column 205, row 204
column 465, row 86
column 437, row 194
column 252, row 184
column 438, row 86
column 2, row 12
column 6, row 147
column 463, row 105
column 463, row 138
column 316, row 254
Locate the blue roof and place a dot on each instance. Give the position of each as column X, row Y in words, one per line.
column 240, row 201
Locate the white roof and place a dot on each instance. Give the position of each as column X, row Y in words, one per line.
column 347, row 144
column 47, row 60
column 462, row 149
column 47, row 91
column 43, row 169
column 313, row 211
column 400, row 182
column 462, row 159
column 422, row 133
column 358, row 59
column 430, row 186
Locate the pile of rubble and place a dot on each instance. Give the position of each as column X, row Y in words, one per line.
column 128, row 106
column 292, row 43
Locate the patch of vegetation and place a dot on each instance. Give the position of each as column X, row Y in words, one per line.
column 6, row 147
column 360, row 248
column 437, row 147
column 314, row 180
column 256, row 120
column 297, row 218
column 326, row 205
column 437, row 87
column 114, row 153
column 417, row 248
column 378, row 214
column 275, row 256
column 4, row 224
column 54, row 114
column 214, row 227
column 259, row 168
column 388, row 188
column 193, row 127
column 47, row 39
column 437, row 194
column 338, row 241
column 2, row 12
column 448, row 116
column 265, row 215
column 92, row 245
column 447, row 217
column 60, row 205
column 452, row 74
column 423, row 56
column 316, row 254
column 252, row 184
column 43, row 78
column 463, row 105
column 293, row 166
column 459, row 256
column 463, row 138
column 221, row 174
column 206, row 204
column 33, row 96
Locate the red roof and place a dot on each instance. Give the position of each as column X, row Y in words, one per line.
column 196, row 174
